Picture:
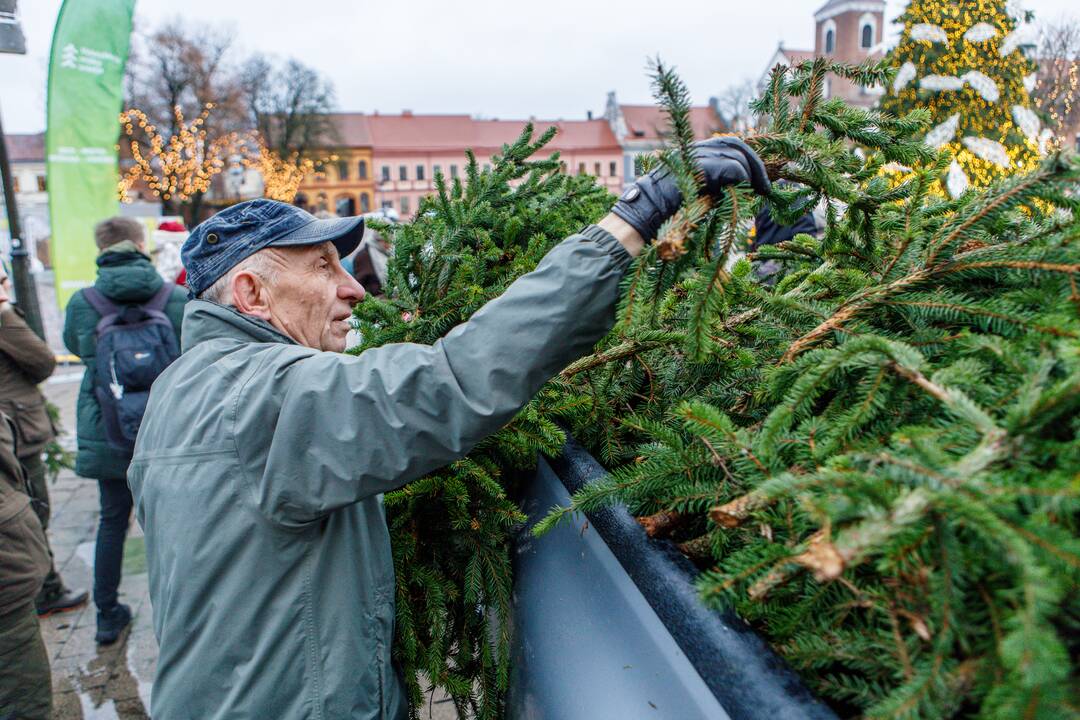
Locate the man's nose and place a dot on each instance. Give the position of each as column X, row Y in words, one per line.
column 351, row 291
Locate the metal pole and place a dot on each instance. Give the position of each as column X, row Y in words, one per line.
column 25, row 291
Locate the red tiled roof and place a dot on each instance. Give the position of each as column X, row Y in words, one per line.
column 353, row 129
column 645, row 122
column 26, row 148
column 571, row 134
column 420, row 132
column 434, row 133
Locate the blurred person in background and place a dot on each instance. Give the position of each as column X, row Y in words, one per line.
column 25, row 679
column 126, row 278
column 25, row 361
column 369, row 263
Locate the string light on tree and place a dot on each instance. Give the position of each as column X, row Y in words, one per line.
column 282, row 176
column 1056, row 91
column 175, row 168
column 962, row 61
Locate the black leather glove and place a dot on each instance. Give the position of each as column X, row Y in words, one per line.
column 724, row 161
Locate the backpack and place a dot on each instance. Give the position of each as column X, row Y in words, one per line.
column 135, row 343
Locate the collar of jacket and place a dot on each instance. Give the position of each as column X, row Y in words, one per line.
column 126, row 276
column 205, row 320
column 122, row 247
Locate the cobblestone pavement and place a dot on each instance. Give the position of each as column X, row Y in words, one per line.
column 92, row 683
column 109, row 683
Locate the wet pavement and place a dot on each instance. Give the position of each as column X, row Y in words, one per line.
column 92, row 683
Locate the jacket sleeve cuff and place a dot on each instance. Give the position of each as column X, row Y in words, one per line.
column 607, row 241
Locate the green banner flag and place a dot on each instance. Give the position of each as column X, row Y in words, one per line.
column 86, row 74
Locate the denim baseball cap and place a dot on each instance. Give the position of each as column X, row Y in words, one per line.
column 219, row 243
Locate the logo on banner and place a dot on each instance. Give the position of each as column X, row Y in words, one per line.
column 76, row 155
column 86, row 60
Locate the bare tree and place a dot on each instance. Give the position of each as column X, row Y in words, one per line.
column 289, row 105
column 734, row 105
column 184, row 69
column 1055, row 92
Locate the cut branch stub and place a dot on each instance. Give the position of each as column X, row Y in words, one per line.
column 662, row 523
column 822, row 558
column 732, row 514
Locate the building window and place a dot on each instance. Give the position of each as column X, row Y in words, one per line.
column 387, row 205
column 386, row 173
column 365, row 203
column 361, row 170
column 613, row 168
column 343, row 170
column 867, row 28
column 453, row 171
column 404, row 206
column 596, row 169
column 581, row 168
column 41, row 183
column 828, row 37
column 403, row 172
column 419, row 172
column 435, row 170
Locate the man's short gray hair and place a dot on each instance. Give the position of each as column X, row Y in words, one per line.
column 259, row 264
column 117, row 229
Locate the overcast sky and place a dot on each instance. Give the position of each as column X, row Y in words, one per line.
column 493, row 58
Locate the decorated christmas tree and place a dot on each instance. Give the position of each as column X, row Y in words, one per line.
column 962, row 59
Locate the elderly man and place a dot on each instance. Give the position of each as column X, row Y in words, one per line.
column 264, row 451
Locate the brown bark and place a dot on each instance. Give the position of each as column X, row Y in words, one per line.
column 662, row 523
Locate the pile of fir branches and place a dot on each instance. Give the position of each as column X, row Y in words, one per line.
column 875, row 460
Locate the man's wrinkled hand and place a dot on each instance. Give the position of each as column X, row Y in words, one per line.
column 723, row 161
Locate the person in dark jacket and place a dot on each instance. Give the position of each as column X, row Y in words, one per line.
column 369, row 263
column 127, row 277
column 25, row 681
column 25, row 361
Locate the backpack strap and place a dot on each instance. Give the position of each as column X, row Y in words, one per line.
column 160, row 299
column 103, row 305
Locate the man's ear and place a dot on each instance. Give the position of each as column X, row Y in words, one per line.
column 250, row 295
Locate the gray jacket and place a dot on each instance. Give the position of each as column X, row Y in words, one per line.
column 258, row 475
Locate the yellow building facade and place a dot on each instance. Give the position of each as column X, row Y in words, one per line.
column 342, row 185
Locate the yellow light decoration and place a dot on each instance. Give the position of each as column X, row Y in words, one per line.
column 1057, row 99
column 174, row 168
column 282, row 176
